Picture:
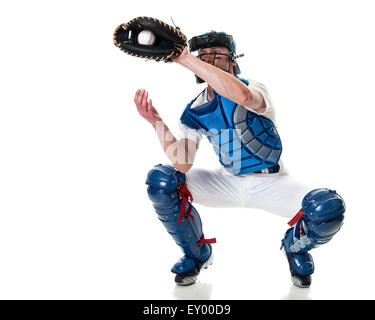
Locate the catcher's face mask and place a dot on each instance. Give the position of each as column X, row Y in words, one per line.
column 215, row 39
column 216, row 57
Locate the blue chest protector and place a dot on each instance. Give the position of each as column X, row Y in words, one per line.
column 244, row 141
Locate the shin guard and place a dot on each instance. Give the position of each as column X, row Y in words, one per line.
column 170, row 197
column 320, row 218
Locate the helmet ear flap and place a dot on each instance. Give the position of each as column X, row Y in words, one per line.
column 235, row 69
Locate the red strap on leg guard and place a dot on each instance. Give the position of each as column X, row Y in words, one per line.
column 184, row 193
column 295, row 219
column 203, row 240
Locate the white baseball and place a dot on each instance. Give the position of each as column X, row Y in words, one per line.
column 146, row 37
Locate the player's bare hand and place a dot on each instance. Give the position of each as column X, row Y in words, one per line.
column 145, row 107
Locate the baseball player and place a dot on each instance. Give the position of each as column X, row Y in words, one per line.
column 237, row 116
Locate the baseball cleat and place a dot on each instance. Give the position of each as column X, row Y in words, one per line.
column 299, row 280
column 191, row 277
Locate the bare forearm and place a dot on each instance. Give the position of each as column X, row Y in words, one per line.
column 222, row 82
column 180, row 152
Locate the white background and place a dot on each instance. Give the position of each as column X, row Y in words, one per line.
column 75, row 219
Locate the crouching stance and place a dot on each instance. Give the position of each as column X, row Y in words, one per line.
column 168, row 192
column 320, row 218
column 237, row 117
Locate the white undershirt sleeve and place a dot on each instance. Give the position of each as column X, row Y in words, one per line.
column 188, row 133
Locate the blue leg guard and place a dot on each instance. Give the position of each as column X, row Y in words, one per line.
column 167, row 190
column 320, row 218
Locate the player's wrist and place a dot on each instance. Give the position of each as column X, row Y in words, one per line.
column 156, row 123
column 185, row 59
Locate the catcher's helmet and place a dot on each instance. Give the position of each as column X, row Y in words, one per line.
column 215, row 39
column 211, row 39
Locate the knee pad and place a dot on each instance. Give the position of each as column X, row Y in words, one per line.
column 323, row 214
column 321, row 218
column 163, row 181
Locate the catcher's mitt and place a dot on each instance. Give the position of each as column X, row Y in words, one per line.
column 169, row 43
